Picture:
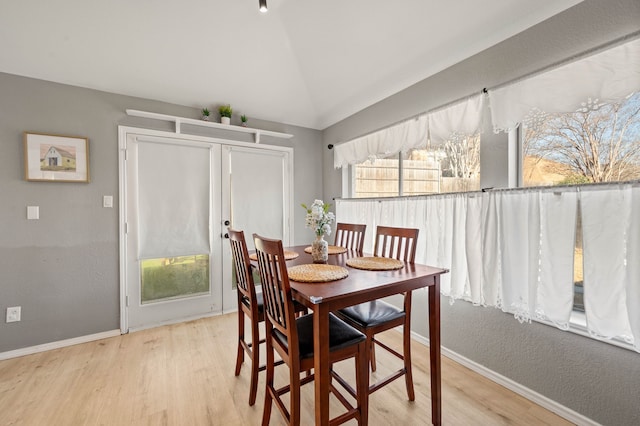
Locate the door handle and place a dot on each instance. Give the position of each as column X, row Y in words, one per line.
column 227, row 223
column 226, row 235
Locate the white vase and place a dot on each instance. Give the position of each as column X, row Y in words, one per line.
column 225, row 120
column 320, row 250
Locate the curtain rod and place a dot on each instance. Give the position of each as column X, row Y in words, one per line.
column 573, row 58
column 557, row 188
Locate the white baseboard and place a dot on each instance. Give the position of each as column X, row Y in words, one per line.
column 541, row 400
column 59, row 344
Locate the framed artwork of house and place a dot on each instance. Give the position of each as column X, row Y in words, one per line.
column 55, row 158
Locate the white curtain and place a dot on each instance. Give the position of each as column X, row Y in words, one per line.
column 558, row 215
column 609, row 286
column 519, row 244
column 607, row 77
column 633, row 268
column 514, row 250
column 402, row 137
column 363, row 211
column 463, row 118
column 173, row 199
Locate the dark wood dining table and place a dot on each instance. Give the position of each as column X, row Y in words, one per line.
column 358, row 287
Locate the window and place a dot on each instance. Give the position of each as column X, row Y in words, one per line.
column 598, row 143
column 173, row 277
column 453, row 167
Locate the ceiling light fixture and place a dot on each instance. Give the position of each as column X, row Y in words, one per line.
column 263, row 6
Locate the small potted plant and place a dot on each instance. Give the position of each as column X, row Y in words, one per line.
column 243, row 119
column 205, row 114
column 225, row 113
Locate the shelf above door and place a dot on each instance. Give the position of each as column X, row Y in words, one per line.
column 178, row 121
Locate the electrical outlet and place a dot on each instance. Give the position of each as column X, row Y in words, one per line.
column 13, row 313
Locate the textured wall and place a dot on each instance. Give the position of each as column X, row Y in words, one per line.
column 63, row 268
column 595, row 379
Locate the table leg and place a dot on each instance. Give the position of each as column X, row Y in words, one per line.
column 321, row 364
column 434, row 350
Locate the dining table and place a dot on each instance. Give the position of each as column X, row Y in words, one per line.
column 359, row 286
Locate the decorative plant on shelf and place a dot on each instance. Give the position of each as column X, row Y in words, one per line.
column 225, row 113
column 243, row 118
column 205, row 114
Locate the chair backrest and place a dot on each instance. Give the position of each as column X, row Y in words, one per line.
column 397, row 243
column 350, row 236
column 276, row 290
column 240, row 254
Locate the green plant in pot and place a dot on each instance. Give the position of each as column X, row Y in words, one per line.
column 205, row 114
column 243, row 119
column 225, row 113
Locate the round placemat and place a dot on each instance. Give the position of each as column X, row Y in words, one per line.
column 317, row 273
column 288, row 255
column 375, row 263
column 330, row 249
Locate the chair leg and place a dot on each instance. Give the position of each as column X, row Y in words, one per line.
column 407, row 361
column 372, row 352
column 294, row 390
column 268, row 390
column 255, row 362
column 362, row 383
column 240, row 356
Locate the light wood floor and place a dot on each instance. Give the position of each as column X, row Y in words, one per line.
column 183, row 375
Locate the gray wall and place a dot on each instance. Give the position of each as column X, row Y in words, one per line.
column 63, row 268
column 596, row 379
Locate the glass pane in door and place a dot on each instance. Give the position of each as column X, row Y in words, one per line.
column 170, row 278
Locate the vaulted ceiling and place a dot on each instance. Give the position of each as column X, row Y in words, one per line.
column 306, row 62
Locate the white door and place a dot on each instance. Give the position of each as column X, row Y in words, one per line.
column 173, row 267
column 256, row 199
column 178, row 193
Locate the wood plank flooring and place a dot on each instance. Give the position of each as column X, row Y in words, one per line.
column 182, row 374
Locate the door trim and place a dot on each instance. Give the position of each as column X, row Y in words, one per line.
column 123, row 132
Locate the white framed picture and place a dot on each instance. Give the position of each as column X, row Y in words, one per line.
column 55, row 158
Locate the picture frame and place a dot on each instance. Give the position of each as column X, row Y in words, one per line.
column 55, row 158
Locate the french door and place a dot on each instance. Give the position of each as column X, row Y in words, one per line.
column 178, row 195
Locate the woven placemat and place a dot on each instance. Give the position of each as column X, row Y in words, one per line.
column 317, row 273
column 375, row 263
column 330, row 249
column 288, row 255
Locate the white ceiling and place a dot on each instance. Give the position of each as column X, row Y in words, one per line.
column 306, row 62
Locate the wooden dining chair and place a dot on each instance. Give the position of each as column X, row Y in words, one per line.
column 350, row 236
column 377, row 316
column 292, row 339
column 251, row 306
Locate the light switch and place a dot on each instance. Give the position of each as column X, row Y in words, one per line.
column 107, row 201
column 33, row 212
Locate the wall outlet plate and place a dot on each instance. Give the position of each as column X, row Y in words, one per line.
column 14, row 313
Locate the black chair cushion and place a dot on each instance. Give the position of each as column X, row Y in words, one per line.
column 299, row 307
column 341, row 335
column 259, row 301
column 371, row 314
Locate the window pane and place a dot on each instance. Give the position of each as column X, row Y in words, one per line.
column 421, row 172
column 453, row 167
column 174, row 277
column 599, row 143
column 378, row 178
